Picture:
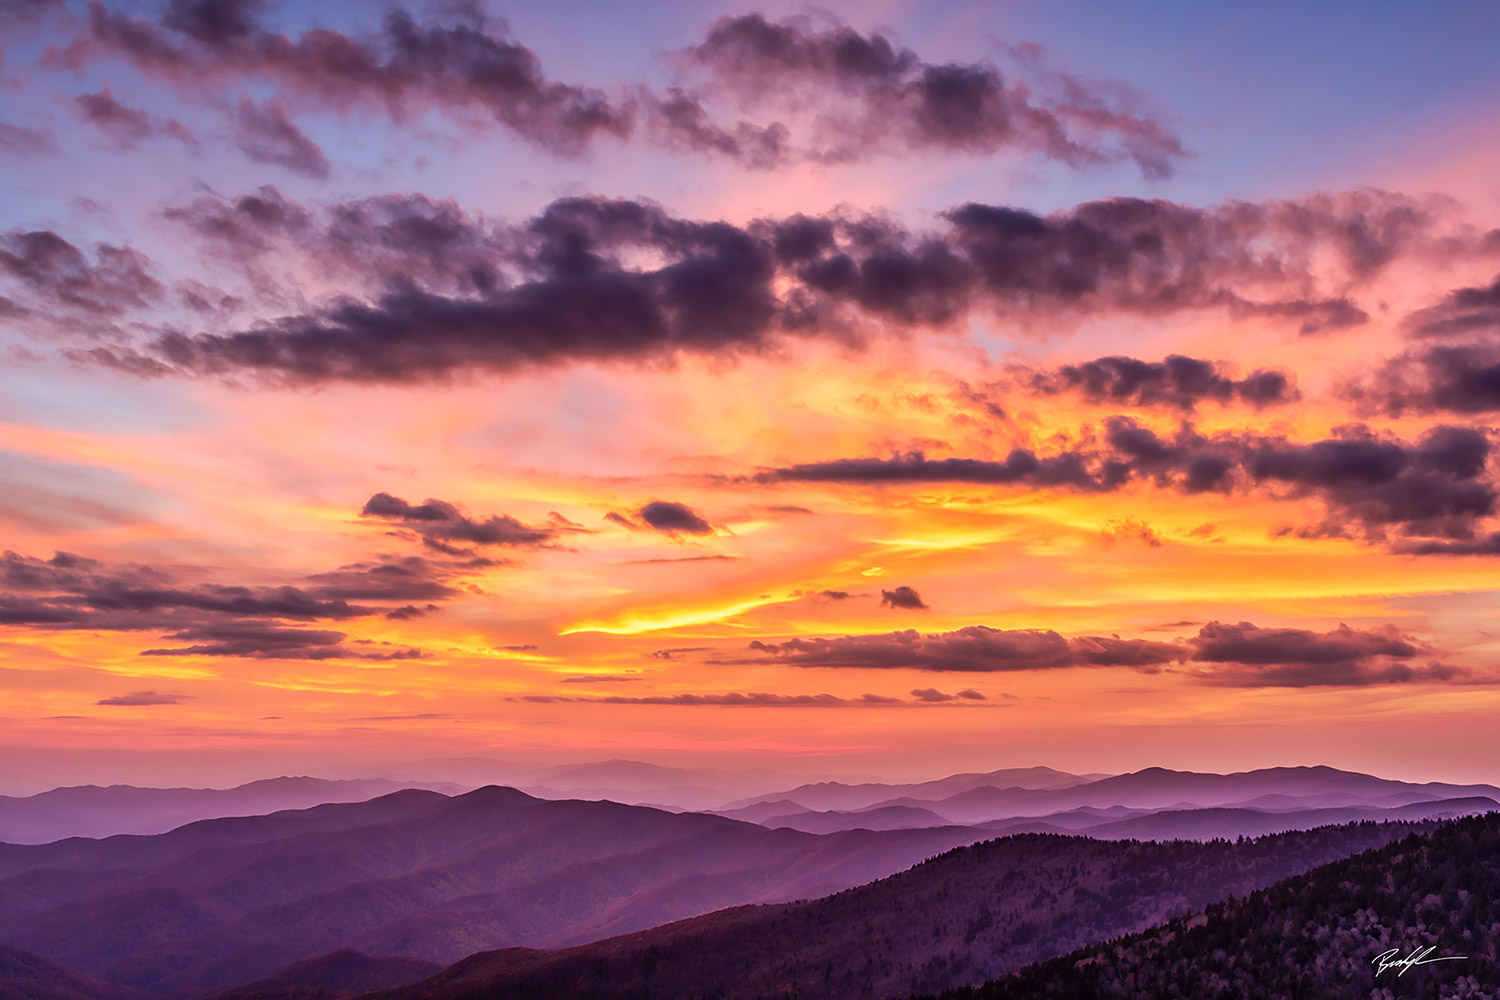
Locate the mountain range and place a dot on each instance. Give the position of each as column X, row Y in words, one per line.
column 95, row 811
column 1329, row 933
column 414, row 874
column 422, row 895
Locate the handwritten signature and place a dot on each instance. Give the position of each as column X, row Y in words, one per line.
column 1390, row 960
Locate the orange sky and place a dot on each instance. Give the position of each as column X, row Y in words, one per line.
column 574, row 645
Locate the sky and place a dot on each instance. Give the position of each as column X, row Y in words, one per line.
column 888, row 388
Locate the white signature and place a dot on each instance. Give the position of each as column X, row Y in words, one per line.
column 1389, row 960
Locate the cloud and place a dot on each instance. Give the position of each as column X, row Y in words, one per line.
column 266, row 135
column 143, row 698
column 599, row 280
column 389, row 578
column 72, row 592
column 1444, row 378
column 858, row 95
column 22, row 141
column 869, row 96
column 1178, row 382
column 934, row 696
column 1371, row 485
column 902, row 597
column 674, row 518
column 1240, row 655
column 58, row 273
column 1020, row 466
column 1463, row 312
column 272, row 642
column 440, row 523
column 248, row 225
column 757, row 699
column 1129, row 528
column 676, row 652
column 127, row 126
column 975, row 648
column 403, row 69
column 1246, row 655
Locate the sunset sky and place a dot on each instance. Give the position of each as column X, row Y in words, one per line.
column 894, row 388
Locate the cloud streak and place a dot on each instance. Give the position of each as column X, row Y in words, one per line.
column 599, row 280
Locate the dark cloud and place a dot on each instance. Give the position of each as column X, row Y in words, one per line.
column 902, row 597
column 248, row 225
column 271, row 642
column 1371, row 485
column 863, row 95
column 600, row 280
column 441, row 524
column 1315, row 316
column 676, row 652
column 1451, row 378
column 933, row 695
column 1241, row 655
column 403, row 69
column 835, row 595
column 71, row 592
column 599, row 679
column 72, row 589
column 1178, row 382
column 57, row 272
column 674, row 518
column 976, row 648
column 143, row 698
column 1246, row 655
column 1462, row 313
column 869, row 96
column 409, row 611
column 402, row 579
column 1020, row 466
column 681, row 559
column 757, row 699
column 128, row 126
column 266, row 135
column 1479, row 545
column 17, row 13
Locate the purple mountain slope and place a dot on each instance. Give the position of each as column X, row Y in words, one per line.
column 415, row 874
column 833, row 795
column 1159, row 788
column 879, row 818
column 94, row 811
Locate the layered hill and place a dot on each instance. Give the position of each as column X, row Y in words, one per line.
column 1201, row 805
column 24, row 976
column 95, row 811
column 1434, row 897
column 414, row 874
column 960, row 918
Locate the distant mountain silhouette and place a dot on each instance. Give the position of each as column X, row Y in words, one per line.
column 833, row 795
column 1159, row 788
column 94, row 811
column 959, row 918
column 630, row 781
column 875, row 818
column 24, row 976
column 1315, row 935
column 762, row 811
column 413, row 874
column 343, row 973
